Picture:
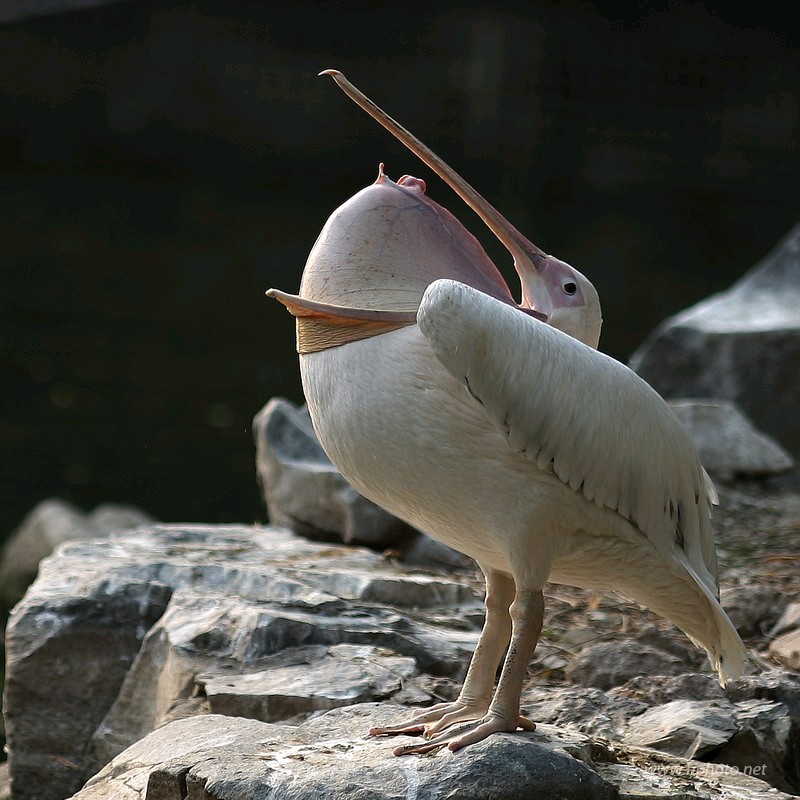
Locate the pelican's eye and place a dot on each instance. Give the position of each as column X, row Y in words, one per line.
column 570, row 288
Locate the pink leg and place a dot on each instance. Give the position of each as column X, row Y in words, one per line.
column 476, row 693
column 527, row 612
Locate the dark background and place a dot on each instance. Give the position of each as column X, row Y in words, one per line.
column 163, row 164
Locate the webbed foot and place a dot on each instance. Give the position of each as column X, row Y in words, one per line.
column 465, row 733
column 451, row 725
column 435, row 718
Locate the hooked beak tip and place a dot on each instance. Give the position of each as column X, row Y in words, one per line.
column 533, row 312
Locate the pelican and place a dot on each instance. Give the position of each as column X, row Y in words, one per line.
column 498, row 428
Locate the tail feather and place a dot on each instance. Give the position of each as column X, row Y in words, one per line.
column 721, row 641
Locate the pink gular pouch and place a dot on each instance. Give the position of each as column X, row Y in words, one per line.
column 380, row 250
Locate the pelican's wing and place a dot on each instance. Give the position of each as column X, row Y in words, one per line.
column 570, row 409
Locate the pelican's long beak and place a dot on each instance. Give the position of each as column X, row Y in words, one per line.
column 529, row 260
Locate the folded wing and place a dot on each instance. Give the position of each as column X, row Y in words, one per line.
column 580, row 414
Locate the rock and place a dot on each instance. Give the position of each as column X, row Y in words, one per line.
column 421, row 550
column 327, row 678
column 763, row 744
column 766, row 710
column 607, row 664
column 741, row 345
column 143, row 623
column 752, row 609
column 588, row 710
column 112, row 517
column 660, row 689
column 775, row 684
column 678, row 779
column 789, row 620
column 67, row 652
column 675, row 644
column 329, row 757
column 774, row 516
column 727, row 442
column 216, row 634
column 303, row 491
column 786, row 649
column 780, row 687
column 686, row 728
column 49, row 524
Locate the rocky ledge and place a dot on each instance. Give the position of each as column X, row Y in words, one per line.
column 228, row 662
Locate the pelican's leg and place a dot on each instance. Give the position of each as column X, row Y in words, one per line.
column 527, row 612
column 476, row 693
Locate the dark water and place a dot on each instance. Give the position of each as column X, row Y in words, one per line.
column 163, row 165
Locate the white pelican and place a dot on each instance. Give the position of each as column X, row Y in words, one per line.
column 498, row 429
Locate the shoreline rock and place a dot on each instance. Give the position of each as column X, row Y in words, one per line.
column 163, row 628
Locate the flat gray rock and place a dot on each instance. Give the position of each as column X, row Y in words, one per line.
column 134, row 620
column 330, row 758
column 686, row 728
column 327, row 678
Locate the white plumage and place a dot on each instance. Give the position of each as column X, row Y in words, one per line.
column 499, row 434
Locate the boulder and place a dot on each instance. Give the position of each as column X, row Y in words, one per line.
column 49, row 524
column 606, row 664
column 785, row 649
column 686, row 715
column 146, row 626
column 752, row 609
column 687, row 728
column 727, row 442
column 322, row 679
column 789, row 620
column 765, row 708
column 656, row 690
column 741, row 345
column 583, row 708
column 763, row 745
column 229, row 661
column 329, row 757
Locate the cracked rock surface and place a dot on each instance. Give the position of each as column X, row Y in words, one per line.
column 194, row 661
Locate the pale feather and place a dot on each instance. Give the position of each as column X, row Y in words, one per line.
column 568, row 408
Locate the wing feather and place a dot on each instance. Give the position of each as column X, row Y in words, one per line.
column 578, row 413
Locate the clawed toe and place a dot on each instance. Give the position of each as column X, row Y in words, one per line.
column 408, row 728
column 457, row 736
column 433, row 720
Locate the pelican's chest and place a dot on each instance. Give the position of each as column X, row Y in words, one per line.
column 396, row 424
column 373, row 394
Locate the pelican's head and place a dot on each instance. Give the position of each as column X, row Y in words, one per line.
column 551, row 290
column 565, row 299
